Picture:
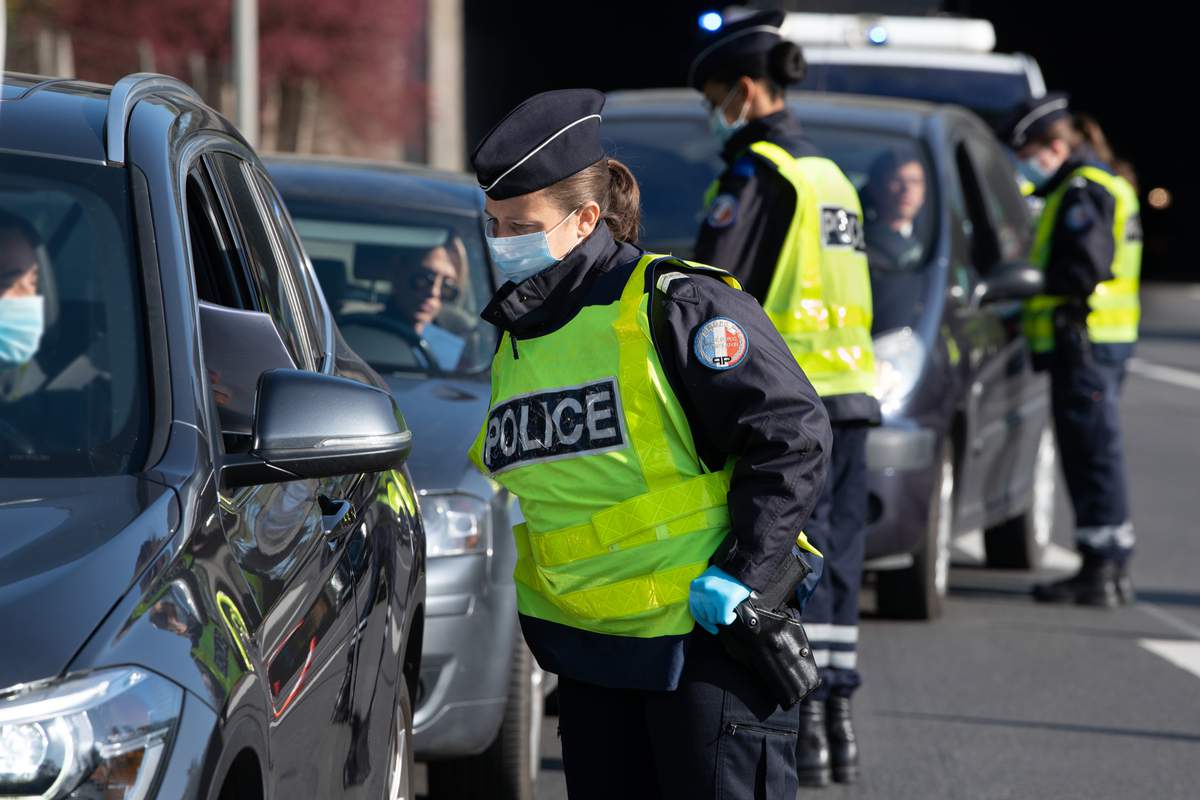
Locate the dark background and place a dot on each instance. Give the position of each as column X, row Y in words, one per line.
column 1124, row 63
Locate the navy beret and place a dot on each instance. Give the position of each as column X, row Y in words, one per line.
column 1032, row 118
column 549, row 137
column 743, row 44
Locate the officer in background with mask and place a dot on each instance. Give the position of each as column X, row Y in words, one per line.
column 646, row 413
column 1089, row 244
column 22, row 319
column 787, row 223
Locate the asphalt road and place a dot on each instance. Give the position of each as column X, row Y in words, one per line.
column 1004, row 699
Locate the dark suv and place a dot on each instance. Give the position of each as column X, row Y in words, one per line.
column 212, row 562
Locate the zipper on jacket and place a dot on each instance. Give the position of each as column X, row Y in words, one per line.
column 516, row 355
column 732, row 728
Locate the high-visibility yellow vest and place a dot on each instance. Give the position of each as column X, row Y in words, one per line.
column 620, row 513
column 1114, row 309
column 820, row 293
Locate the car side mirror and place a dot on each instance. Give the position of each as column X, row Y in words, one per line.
column 1011, row 281
column 310, row 425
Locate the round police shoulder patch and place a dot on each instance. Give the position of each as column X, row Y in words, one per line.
column 722, row 212
column 721, row 344
column 1079, row 218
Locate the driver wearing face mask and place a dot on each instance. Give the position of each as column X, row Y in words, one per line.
column 22, row 318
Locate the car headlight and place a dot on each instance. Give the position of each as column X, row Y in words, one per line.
column 101, row 735
column 899, row 360
column 455, row 524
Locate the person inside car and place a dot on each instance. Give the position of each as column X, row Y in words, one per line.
column 894, row 197
column 22, row 317
column 428, row 290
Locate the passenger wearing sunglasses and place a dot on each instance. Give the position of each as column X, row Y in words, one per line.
column 422, row 291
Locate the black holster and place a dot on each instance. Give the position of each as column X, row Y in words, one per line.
column 769, row 639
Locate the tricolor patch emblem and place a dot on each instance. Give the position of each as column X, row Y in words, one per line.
column 721, row 344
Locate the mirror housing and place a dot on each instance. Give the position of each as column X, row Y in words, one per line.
column 1018, row 280
column 310, row 425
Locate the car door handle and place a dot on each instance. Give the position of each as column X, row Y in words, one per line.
column 337, row 516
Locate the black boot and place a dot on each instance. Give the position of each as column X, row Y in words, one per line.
column 812, row 746
column 843, row 744
column 1125, row 591
column 1094, row 585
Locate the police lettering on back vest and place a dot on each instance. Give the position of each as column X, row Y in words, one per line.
column 820, row 293
column 1113, row 307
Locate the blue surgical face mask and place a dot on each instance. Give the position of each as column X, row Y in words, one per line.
column 1032, row 169
column 518, row 258
column 22, row 321
column 722, row 128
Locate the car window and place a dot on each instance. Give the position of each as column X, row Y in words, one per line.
column 1007, row 211
column 675, row 160
column 984, row 247
column 308, row 309
column 896, row 184
column 266, row 257
column 74, row 388
column 405, row 286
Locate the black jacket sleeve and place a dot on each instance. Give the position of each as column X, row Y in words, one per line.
column 761, row 411
column 1082, row 246
column 745, row 224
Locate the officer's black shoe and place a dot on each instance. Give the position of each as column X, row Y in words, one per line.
column 1094, row 585
column 843, row 744
column 1124, row 584
column 812, row 746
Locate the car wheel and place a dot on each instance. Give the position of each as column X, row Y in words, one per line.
column 1020, row 543
column 918, row 591
column 401, row 770
column 508, row 769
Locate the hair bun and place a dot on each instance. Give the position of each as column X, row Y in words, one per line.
column 786, row 64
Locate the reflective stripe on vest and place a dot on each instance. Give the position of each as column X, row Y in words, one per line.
column 586, row 431
column 820, row 293
column 1114, row 310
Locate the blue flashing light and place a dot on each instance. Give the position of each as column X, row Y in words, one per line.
column 711, row 21
column 877, row 35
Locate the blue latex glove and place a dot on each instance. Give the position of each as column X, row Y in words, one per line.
column 713, row 596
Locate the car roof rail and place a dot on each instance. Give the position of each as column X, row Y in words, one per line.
column 125, row 95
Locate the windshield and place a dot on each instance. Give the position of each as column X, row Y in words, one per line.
column 676, row 158
column 73, row 393
column 991, row 95
column 405, row 290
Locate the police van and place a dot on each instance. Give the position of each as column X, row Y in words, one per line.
column 937, row 59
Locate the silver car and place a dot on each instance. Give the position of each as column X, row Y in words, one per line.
column 400, row 255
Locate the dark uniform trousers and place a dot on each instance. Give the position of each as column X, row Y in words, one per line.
column 718, row 735
column 1085, row 385
column 837, row 528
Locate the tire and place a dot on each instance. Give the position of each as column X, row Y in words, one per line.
column 919, row 591
column 401, row 770
column 508, row 769
column 1020, row 543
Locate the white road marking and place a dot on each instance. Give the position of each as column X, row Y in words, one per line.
column 1170, row 620
column 1185, row 655
column 1172, row 375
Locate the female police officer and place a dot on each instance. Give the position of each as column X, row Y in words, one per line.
column 788, row 224
column 1088, row 242
column 643, row 411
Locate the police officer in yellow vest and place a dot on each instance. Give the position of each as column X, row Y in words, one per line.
column 1083, row 330
column 788, row 224
column 646, row 413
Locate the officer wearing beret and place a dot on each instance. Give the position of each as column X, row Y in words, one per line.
column 646, row 414
column 788, row 224
column 1089, row 244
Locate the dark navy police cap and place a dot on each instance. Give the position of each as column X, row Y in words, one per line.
column 745, row 41
column 1034, row 117
column 549, row 137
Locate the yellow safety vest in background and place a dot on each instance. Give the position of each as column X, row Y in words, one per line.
column 820, row 294
column 1114, row 309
